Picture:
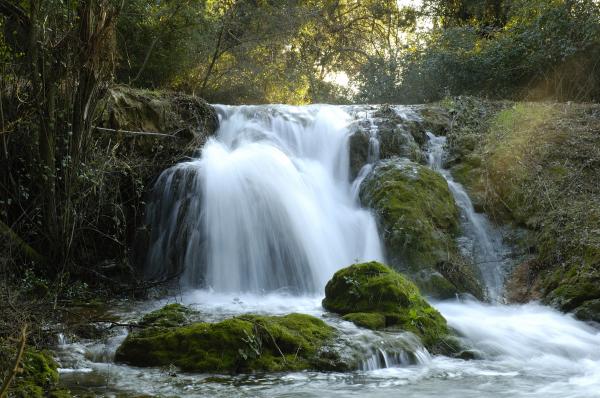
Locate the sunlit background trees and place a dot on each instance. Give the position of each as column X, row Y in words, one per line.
column 302, row 51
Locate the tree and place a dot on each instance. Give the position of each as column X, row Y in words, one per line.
column 61, row 56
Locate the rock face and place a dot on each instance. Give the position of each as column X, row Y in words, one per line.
column 419, row 221
column 399, row 134
column 146, row 132
column 178, row 123
column 247, row 343
column 528, row 165
column 373, row 295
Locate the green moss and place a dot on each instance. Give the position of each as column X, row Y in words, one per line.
column 170, row 315
column 570, row 288
column 416, row 210
column 419, row 220
column 372, row 321
column 246, row 343
column 39, row 375
column 375, row 288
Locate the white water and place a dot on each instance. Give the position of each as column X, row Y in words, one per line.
column 268, row 205
column 276, row 183
column 525, row 350
column 483, row 242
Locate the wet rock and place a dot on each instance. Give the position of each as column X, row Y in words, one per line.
column 589, row 311
column 434, row 118
column 247, row 343
column 373, row 288
column 398, row 134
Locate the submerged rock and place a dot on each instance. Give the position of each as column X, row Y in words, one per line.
column 374, row 296
column 247, row 343
column 419, row 221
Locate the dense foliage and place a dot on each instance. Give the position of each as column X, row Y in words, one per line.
column 525, row 49
column 255, row 51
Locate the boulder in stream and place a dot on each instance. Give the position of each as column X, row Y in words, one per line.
column 375, row 296
column 246, row 343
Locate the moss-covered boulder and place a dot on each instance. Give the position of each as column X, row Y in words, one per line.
column 419, row 221
column 247, row 343
column 370, row 293
column 416, row 211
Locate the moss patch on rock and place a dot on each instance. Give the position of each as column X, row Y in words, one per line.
column 171, row 315
column 373, row 288
column 367, row 320
column 247, row 343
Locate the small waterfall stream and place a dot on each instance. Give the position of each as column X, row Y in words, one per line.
column 481, row 241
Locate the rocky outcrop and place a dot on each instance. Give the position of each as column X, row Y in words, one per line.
column 397, row 134
column 159, row 125
column 139, row 133
column 419, row 221
column 400, row 132
column 533, row 165
column 374, row 296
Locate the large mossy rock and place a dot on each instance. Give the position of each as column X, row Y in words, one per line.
column 375, row 296
column 419, row 221
column 417, row 212
column 247, row 343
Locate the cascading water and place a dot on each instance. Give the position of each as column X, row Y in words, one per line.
column 267, row 206
column 483, row 242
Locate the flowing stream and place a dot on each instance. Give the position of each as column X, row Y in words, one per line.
column 264, row 217
column 480, row 241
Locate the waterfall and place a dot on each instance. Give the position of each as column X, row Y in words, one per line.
column 483, row 243
column 267, row 206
